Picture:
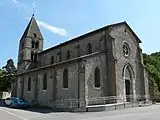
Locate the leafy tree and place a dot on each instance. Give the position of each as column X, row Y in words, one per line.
column 9, row 69
column 1, row 73
column 152, row 62
column 3, row 82
column 7, row 75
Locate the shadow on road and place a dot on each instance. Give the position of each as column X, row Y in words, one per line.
column 32, row 109
column 43, row 111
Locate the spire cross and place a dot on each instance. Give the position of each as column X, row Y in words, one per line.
column 34, row 7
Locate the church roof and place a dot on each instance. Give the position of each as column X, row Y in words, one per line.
column 92, row 32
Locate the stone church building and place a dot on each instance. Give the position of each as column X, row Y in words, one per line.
column 104, row 63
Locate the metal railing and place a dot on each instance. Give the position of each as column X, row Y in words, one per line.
column 101, row 101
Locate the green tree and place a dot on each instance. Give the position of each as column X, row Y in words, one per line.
column 3, row 82
column 152, row 62
column 7, row 75
column 1, row 79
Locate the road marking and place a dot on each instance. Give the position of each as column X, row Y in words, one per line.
column 15, row 115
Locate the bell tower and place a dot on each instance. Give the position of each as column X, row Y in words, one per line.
column 31, row 43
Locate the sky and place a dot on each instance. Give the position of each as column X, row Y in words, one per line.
column 60, row 20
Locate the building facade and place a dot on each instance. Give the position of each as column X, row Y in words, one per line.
column 99, row 64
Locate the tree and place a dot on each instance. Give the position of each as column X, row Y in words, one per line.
column 1, row 80
column 1, row 73
column 9, row 69
column 7, row 73
column 152, row 62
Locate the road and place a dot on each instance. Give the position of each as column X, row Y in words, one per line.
column 139, row 113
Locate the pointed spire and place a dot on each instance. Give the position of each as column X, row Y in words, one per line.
column 31, row 28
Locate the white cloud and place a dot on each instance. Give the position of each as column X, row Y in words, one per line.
column 16, row 2
column 56, row 30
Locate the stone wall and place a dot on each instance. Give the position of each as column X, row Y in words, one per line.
column 71, row 92
column 146, row 80
column 92, row 93
column 121, row 34
column 76, row 48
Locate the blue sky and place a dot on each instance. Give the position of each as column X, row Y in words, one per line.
column 62, row 19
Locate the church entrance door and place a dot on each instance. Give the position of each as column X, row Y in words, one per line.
column 127, row 88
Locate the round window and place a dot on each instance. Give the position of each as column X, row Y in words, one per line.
column 126, row 50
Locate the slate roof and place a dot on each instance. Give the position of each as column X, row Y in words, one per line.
column 92, row 32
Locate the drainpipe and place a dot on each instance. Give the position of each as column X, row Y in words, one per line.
column 78, row 74
column 106, row 56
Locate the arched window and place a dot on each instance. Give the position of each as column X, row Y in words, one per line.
column 32, row 55
column 45, row 81
column 35, row 35
column 89, row 48
column 37, row 45
column 29, row 84
column 35, row 57
column 68, row 55
column 97, row 77
column 33, row 44
column 52, row 59
column 65, row 78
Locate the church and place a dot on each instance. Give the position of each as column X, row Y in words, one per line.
column 87, row 70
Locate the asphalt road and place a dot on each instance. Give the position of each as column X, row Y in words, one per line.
column 139, row 113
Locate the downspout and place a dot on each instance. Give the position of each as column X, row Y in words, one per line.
column 54, row 84
column 106, row 56
column 78, row 74
column 37, row 88
column 16, row 86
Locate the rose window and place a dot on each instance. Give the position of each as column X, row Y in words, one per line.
column 126, row 50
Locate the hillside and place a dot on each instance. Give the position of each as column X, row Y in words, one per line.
column 152, row 62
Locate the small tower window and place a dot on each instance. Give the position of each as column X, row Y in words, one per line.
column 52, row 59
column 68, row 55
column 35, row 57
column 37, row 45
column 29, row 84
column 33, row 44
column 65, row 78
column 89, row 48
column 35, row 35
column 45, row 81
column 32, row 55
